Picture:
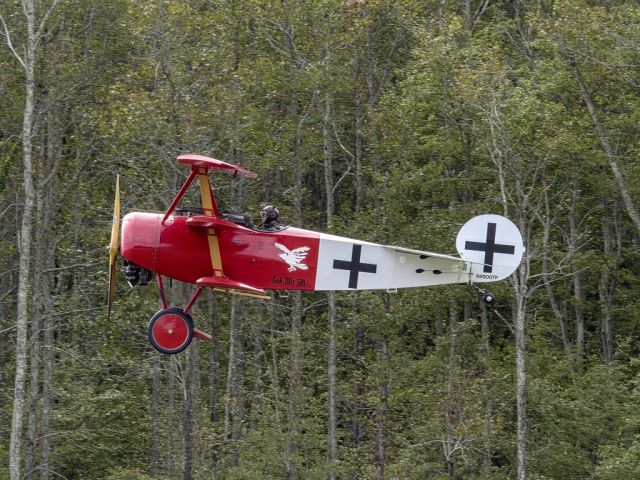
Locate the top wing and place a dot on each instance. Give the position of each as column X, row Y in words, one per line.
column 200, row 166
column 200, row 161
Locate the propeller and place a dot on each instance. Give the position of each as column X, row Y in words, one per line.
column 113, row 246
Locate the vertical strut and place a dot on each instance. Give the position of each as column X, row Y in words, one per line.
column 211, row 210
column 163, row 299
column 193, row 300
column 196, row 333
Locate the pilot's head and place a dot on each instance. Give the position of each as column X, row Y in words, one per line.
column 269, row 216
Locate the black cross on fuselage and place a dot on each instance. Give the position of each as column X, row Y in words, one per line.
column 354, row 266
column 490, row 247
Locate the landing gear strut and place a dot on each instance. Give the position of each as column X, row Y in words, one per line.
column 171, row 329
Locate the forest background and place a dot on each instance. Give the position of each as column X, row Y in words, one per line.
column 389, row 121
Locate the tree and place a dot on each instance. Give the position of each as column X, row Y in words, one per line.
column 34, row 33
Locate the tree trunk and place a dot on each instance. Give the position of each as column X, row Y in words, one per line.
column 546, row 276
column 488, row 403
column 578, row 294
column 234, row 407
column 171, row 408
column 214, row 368
column 519, row 283
column 519, row 278
column 608, row 149
column 188, row 413
column 295, row 386
column 328, row 159
column 258, row 371
column 451, row 407
column 48, row 203
column 47, row 381
column 295, row 358
column 3, row 315
column 358, row 428
column 358, row 154
column 24, row 277
column 332, row 441
column 332, row 435
column 154, row 467
column 41, row 309
column 383, row 406
column 521, row 377
column 607, row 283
column 34, row 395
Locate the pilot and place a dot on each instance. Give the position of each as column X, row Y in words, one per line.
column 269, row 217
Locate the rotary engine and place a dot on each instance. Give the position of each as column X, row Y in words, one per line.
column 137, row 275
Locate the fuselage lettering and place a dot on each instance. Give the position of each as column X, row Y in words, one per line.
column 289, row 281
column 486, row 276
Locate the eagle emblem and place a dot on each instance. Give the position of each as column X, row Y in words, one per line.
column 293, row 258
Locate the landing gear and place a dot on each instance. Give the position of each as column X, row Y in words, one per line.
column 489, row 299
column 170, row 330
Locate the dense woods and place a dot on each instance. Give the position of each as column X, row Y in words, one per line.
column 389, row 121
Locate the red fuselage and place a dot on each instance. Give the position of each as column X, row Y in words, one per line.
column 181, row 251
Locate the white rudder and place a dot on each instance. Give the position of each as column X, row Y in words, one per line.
column 493, row 245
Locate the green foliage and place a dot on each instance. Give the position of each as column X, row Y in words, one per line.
column 127, row 474
column 429, row 101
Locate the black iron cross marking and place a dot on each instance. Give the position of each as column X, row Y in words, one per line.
column 354, row 266
column 490, row 247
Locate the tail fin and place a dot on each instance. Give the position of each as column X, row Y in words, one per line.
column 493, row 245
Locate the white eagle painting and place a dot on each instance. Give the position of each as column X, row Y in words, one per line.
column 293, row 258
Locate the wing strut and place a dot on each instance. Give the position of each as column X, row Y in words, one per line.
column 210, row 210
column 200, row 167
column 179, row 196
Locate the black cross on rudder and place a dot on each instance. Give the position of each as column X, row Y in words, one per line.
column 490, row 247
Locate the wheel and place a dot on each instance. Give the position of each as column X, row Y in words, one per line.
column 489, row 299
column 170, row 331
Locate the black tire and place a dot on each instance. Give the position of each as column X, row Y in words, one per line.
column 161, row 335
column 489, row 299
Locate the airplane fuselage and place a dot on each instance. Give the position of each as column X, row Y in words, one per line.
column 288, row 259
column 180, row 251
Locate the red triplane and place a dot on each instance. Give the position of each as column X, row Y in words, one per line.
column 224, row 252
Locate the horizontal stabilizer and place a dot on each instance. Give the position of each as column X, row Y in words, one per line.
column 423, row 254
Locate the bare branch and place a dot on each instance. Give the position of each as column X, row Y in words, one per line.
column 7, row 36
column 43, row 22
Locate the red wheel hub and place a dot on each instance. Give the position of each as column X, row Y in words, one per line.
column 170, row 331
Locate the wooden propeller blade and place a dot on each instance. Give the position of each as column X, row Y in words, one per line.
column 113, row 247
column 112, row 288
